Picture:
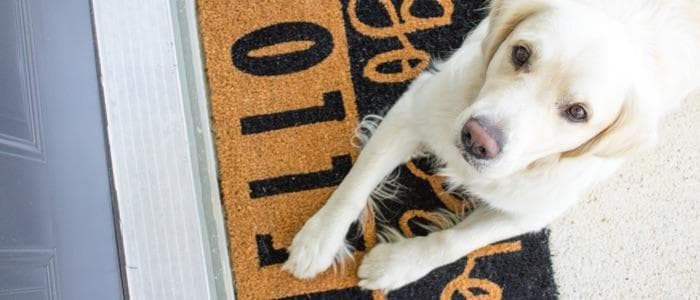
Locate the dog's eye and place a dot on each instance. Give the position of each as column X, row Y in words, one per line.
column 520, row 56
column 577, row 113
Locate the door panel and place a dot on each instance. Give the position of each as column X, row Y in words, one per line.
column 28, row 274
column 57, row 235
column 19, row 133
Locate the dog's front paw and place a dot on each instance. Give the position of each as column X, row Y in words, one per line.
column 314, row 248
column 389, row 266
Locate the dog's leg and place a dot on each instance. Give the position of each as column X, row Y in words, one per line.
column 389, row 266
column 314, row 248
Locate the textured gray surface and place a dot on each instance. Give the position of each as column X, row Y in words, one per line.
column 637, row 236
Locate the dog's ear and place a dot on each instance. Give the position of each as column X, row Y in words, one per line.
column 504, row 16
column 634, row 128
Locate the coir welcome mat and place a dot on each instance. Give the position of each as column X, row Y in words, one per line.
column 289, row 81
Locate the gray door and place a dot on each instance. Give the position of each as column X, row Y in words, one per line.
column 57, row 236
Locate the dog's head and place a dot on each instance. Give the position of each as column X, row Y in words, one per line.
column 560, row 80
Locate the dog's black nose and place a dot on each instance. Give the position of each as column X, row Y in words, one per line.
column 481, row 139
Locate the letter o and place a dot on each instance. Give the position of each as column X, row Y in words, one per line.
column 284, row 63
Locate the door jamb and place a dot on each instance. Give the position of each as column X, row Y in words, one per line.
column 157, row 116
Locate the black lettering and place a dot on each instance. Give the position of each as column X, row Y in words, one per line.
column 331, row 110
column 284, row 63
column 267, row 254
column 302, row 182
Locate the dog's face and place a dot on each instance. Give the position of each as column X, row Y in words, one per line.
column 559, row 81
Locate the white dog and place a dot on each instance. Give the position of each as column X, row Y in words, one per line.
column 544, row 99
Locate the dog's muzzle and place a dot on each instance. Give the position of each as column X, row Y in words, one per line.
column 481, row 139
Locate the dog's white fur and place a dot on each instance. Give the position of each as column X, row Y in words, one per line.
column 628, row 61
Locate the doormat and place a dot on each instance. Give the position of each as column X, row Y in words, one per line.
column 289, row 82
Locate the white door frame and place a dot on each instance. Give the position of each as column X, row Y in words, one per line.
column 170, row 220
